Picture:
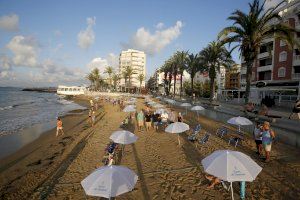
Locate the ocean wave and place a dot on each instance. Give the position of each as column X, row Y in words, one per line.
column 63, row 101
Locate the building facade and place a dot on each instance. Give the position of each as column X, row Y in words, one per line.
column 137, row 61
column 277, row 67
column 232, row 78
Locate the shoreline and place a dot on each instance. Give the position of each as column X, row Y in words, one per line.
column 42, row 132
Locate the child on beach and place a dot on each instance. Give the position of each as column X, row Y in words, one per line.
column 93, row 117
column 140, row 119
column 257, row 137
column 267, row 137
column 59, row 127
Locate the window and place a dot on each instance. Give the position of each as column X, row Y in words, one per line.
column 266, row 75
column 281, row 72
column 253, row 76
column 265, row 62
column 282, row 43
column 282, row 56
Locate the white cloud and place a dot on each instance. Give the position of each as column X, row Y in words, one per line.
column 160, row 25
column 87, row 37
column 5, row 63
column 9, row 22
column 57, row 33
column 113, row 60
column 58, row 47
column 153, row 43
column 25, row 51
column 99, row 63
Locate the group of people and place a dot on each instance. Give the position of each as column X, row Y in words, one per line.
column 146, row 117
column 249, row 107
column 263, row 137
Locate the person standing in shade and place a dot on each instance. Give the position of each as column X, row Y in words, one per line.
column 155, row 118
column 59, row 127
column 295, row 111
column 140, row 120
column 267, row 137
column 180, row 118
column 258, row 138
column 172, row 117
column 148, row 121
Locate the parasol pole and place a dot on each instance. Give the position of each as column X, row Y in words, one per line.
column 231, row 191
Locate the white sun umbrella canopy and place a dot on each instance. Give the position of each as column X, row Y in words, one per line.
column 177, row 127
column 239, row 121
column 123, row 137
column 160, row 111
column 197, row 109
column 158, row 97
column 151, row 103
column 231, row 166
column 109, row 181
column 158, row 105
column 129, row 108
column 186, row 105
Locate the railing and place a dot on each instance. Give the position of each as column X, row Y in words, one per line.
column 296, row 76
column 296, row 57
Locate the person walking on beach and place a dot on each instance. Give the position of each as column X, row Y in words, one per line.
column 90, row 116
column 258, row 138
column 156, row 119
column 164, row 119
column 267, row 137
column 172, row 117
column 59, row 127
column 140, row 119
column 148, row 121
column 180, row 118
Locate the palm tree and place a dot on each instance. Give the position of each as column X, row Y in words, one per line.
column 181, row 58
column 90, row 77
column 165, row 69
column 115, row 79
column 141, row 78
column 212, row 58
column 249, row 30
column 95, row 78
column 193, row 67
column 129, row 71
column 109, row 70
column 124, row 75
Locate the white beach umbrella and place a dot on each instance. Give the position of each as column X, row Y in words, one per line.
column 231, row 166
column 197, row 109
column 158, row 97
column 186, row 105
column 158, row 105
column 160, row 111
column 240, row 121
column 177, row 127
column 129, row 108
column 151, row 103
column 123, row 137
column 109, row 181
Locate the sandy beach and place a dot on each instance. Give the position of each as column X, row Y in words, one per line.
column 52, row 168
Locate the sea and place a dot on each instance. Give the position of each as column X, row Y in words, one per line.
column 21, row 111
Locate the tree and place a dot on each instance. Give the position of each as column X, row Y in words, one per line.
column 125, row 76
column 165, row 69
column 141, row 78
column 193, row 67
column 129, row 71
column 109, row 70
column 250, row 29
column 95, row 78
column 212, row 58
column 115, row 79
column 181, row 59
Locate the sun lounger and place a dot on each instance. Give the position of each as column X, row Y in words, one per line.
column 193, row 136
column 222, row 131
column 236, row 139
column 205, row 138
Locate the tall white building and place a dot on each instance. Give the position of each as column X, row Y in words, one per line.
column 137, row 60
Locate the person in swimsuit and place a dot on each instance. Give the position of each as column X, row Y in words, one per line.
column 267, row 137
column 180, row 118
column 59, row 127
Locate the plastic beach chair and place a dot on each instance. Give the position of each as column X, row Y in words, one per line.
column 205, row 138
column 235, row 140
column 222, row 131
column 193, row 136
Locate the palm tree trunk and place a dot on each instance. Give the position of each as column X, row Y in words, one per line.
column 212, row 89
column 248, row 81
column 175, row 74
column 192, row 83
column 181, row 84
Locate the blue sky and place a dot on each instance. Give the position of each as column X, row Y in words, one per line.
column 58, row 42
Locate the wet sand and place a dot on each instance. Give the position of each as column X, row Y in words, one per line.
column 165, row 170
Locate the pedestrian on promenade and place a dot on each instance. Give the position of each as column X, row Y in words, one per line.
column 164, row 119
column 264, row 110
column 267, row 137
column 257, row 135
column 140, row 120
column 296, row 110
column 59, row 127
column 148, row 121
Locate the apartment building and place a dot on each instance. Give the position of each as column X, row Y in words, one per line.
column 232, row 78
column 135, row 59
column 277, row 67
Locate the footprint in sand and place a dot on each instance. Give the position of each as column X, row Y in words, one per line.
column 35, row 163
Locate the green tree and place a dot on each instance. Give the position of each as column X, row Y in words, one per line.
column 181, row 63
column 141, row 78
column 212, row 58
column 250, row 29
column 109, row 70
column 115, row 79
column 193, row 66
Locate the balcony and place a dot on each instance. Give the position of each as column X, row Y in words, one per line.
column 264, row 55
column 296, row 60
column 296, row 76
column 243, row 70
column 265, row 68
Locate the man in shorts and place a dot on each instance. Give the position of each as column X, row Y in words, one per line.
column 140, row 120
column 148, row 121
column 59, row 127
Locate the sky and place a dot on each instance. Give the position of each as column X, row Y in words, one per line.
column 47, row 43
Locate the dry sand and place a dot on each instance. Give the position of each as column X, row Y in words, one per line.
column 165, row 170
